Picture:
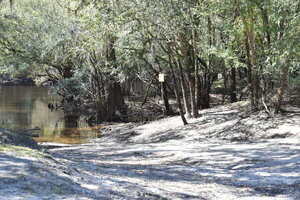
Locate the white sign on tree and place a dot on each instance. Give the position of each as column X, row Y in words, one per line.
column 161, row 77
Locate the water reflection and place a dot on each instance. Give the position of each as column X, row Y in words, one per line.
column 71, row 128
column 27, row 108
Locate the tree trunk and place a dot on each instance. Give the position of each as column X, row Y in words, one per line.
column 225, row 83
column 187, row 67
column 168, row 109
column 112, row 107
column 176, row 91
column 114, row 102
column 191, row 85
column 204, row 90
column 282, row 88
column 196, row 76
column 253, row 72
column 184, row 92
column 233, row 97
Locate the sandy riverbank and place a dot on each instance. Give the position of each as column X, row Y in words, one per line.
column 221, row 155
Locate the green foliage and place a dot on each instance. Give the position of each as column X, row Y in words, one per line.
column 32, row 32
column 52, row 38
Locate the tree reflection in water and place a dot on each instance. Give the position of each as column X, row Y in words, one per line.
column 71, row 126
column 27, row 108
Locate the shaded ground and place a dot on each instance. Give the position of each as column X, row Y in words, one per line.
column 20, row 139
column 221, row 155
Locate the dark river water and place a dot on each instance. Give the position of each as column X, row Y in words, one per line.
column 24, row 108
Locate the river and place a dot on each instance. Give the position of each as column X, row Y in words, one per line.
column 26, row 108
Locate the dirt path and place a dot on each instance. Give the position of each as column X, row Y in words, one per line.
column 204, row 170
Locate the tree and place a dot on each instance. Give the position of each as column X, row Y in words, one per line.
column 88, row 48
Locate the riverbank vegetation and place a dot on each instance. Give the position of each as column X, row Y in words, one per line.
column 94, row 53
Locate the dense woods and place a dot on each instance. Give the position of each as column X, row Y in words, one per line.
column 88, row 50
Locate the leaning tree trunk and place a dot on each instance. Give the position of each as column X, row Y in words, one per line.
column 184, row 92
column 176, row 91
